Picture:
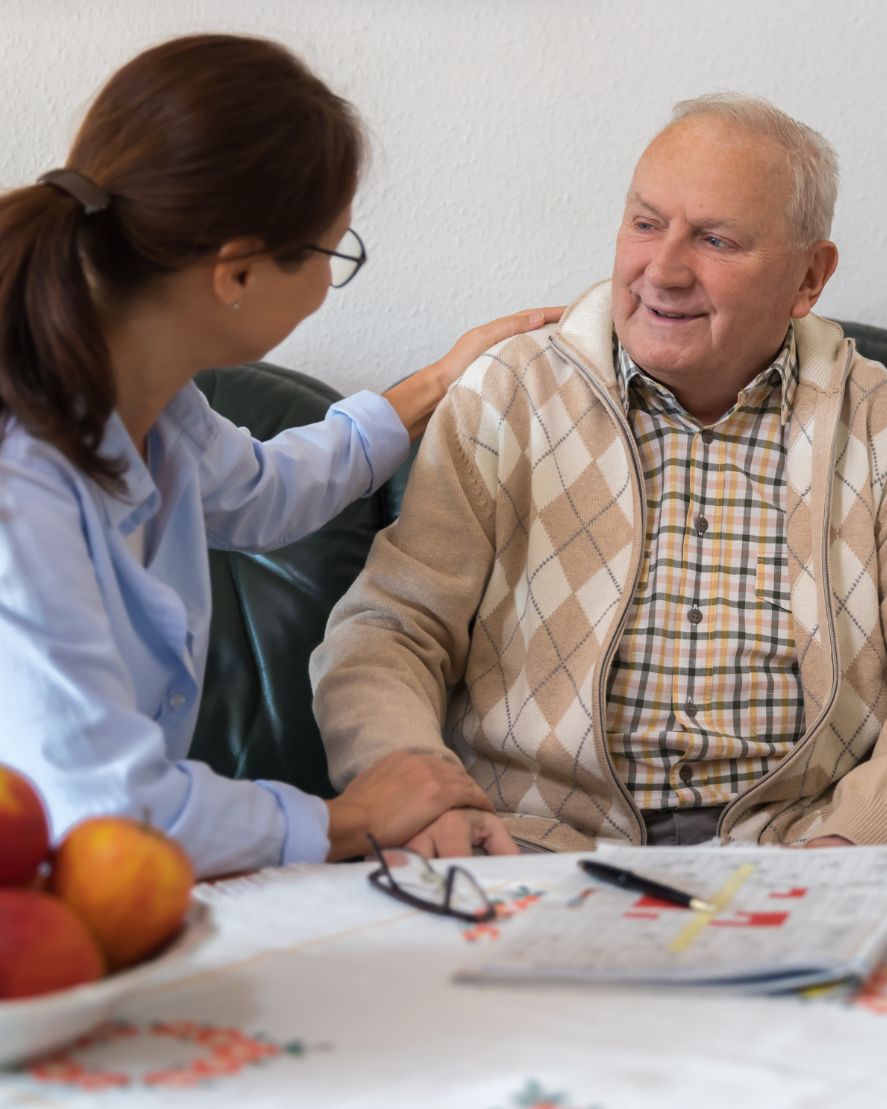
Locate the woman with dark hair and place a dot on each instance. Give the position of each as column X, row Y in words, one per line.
column 202, row 214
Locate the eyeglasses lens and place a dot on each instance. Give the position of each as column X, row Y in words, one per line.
column 414, row 874
column 417, row 877
column 343, row 269
column 467, row 896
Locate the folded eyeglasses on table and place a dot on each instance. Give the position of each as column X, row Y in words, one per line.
column 410, row 878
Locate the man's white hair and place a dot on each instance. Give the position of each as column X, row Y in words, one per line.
column 812, row 159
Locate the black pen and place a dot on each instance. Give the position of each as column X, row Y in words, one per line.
column 616, row 876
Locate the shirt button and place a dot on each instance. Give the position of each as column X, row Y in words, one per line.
column 707, row 435
column 686, row 774
column 691, row 708
column 694, row 615
column 774, row 378
column 701, row 524
column 176, row 700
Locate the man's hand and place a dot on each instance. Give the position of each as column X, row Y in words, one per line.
column 830, row 841
column 396, row 798
column 458, row 831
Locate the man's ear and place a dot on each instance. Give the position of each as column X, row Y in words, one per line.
column 234, row 269
column 822, row 263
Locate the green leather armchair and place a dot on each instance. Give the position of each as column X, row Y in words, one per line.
column 270, row 611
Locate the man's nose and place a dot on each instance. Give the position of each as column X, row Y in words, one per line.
column 669, row 266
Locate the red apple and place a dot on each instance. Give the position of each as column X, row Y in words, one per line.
column 24, row 834
column 43, row 946
column 127, row 881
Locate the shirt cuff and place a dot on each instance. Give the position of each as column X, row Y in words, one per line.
column 307, row 820
column 385, row 440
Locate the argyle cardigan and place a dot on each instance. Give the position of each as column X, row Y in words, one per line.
column 489, row 614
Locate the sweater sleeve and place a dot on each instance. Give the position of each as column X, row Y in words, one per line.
column 400, row 636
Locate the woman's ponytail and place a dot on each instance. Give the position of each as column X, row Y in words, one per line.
column 55, row 373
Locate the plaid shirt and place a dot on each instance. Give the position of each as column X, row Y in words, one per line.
column 705, row 693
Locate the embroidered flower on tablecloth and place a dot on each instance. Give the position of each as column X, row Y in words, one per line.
column 225, row 1053
column 534, row 1096
column 519, row 899
column 229, row 1051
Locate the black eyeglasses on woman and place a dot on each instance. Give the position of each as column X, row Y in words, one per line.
column 347, row 258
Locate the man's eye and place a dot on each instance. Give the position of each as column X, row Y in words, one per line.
column 713, row 240
column 643, row 225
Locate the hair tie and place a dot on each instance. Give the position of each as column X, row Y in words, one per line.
column 81, row 188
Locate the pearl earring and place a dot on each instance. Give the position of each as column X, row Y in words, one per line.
column 236, row 304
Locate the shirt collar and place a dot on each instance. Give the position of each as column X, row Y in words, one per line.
column 785, row 364
column 137, row 498
column 186, row 423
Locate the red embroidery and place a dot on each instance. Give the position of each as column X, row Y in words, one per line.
column 226, row 1052
column 522, row 899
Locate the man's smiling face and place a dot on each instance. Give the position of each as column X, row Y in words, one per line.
column 706, row 276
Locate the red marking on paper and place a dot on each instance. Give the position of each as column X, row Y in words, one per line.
column 752, row 920
column 647, row 902
column 795, row 891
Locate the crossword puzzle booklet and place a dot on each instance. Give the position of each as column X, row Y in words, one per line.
column 786, row 919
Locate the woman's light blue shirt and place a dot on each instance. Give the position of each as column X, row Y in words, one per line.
column 102, row 657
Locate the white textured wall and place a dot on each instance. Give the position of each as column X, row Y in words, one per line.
column 505, row 133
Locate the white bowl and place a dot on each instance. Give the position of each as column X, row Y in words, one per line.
column 32, row 1026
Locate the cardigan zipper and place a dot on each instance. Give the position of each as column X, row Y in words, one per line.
column 599, row 718
column 807, row 739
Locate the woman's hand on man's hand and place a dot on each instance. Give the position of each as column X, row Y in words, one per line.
column 397, row 798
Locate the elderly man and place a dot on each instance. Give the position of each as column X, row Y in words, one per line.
column 638, row 581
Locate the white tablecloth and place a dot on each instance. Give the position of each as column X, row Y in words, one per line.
column 307, row 987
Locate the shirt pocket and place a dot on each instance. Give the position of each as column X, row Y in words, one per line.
column 772, row 584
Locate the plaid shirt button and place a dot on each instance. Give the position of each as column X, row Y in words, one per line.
column 746, row 666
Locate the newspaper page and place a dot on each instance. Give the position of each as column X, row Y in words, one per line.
column 785, row 919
